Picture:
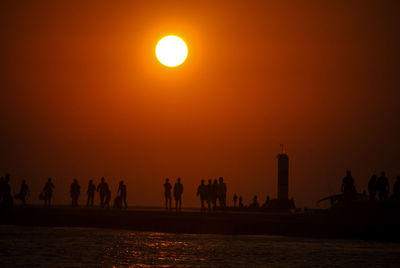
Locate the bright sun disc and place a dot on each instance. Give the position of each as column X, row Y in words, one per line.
column 171, row 51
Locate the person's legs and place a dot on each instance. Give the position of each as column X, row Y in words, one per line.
column 124, row 199
column 101, row 200
column 92, row 200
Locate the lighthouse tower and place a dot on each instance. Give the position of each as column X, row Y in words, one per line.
column 283, row 176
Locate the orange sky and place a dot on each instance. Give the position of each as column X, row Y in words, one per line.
column 82, row 95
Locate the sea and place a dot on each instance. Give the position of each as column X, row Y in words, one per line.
column 92, row 247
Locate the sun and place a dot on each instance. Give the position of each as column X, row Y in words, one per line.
column 171, row 51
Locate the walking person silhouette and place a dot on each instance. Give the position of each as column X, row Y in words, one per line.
column 255, row 203
column 178, row 190
column 383, row 187
column 102, row 188
column 222, row 192
column 75, row 191
column 122, row 193
column 348, row 188
column 202, row 192
column 167, row 194
column 241, row 202
column 48, row 192
column 23, row 193
column 90, row 194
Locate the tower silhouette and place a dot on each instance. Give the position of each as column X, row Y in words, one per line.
column 283, row 176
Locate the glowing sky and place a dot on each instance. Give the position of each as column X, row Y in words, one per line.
column 83, row 96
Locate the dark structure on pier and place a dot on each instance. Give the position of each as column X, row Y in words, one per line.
column 282, row 203
column 283, row 176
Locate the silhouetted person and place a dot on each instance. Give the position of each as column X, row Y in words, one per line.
column 167, row 193
column 202, row 192
column 48, row 192
column 209, row 189
column 372, row 188
column 214, row 194
column 178, row 190
column 382, row 186
column 23, row 193
column 266, row 202
column 364, row 195
column 90, row 193
column 75, row 191
column 241, row 202
column 348, row 187
column 122, row 193
column 102, row 188
column 396, row 190
column 235, row 197
column 7, row 198
column 222, row 192
column 255, row 202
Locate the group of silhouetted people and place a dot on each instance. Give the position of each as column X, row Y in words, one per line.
column 178, row 191
column 211, row 193
column 46, row 195
column 104, row 194
column 6, row 198
column 236, row 199
column 377, row 187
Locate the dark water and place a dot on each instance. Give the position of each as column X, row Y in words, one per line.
column 89, row 247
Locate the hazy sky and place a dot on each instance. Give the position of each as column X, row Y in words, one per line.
column 82, row 95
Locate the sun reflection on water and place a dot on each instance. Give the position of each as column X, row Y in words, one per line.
column 90, row 247
column 163, row 250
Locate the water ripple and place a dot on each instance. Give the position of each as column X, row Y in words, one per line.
column 89, row 247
